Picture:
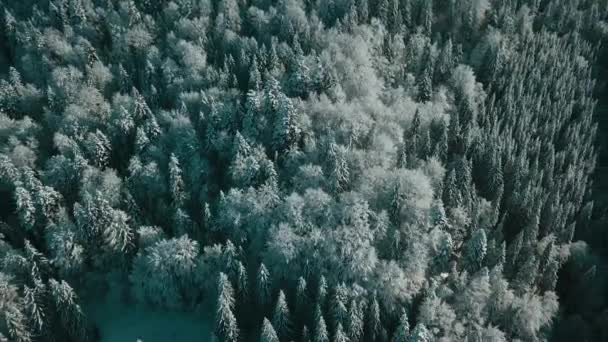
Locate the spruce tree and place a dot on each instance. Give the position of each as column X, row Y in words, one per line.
column 403, row 329
column 263, row 287
column 321, row 334
column 281, row 318
column 226, row 328
column 268, row 333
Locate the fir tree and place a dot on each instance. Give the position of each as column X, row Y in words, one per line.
column 403, row 329
column 281, row 317
column 226, row 327
column 268, row 333
column 263, row 287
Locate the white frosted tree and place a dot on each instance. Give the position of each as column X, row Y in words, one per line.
column 225, row 322
column 268, row 333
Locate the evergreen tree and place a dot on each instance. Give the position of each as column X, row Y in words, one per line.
column 420, row 334
column 475, row 250
column 281, row 318
column 374, row 324
column 356, row 321
column 403, row 329
column 176, row 184
column 301, row 299
column 425, row 83
column 268, row 333
column 340, row 336
column 263, row 287
column 226, row 326
column 339, row 174
column 321, row 334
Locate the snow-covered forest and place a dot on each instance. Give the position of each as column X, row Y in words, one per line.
column 299, row 170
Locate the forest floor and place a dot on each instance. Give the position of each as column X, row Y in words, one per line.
column 119, row 321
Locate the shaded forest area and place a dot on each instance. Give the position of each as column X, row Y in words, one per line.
column 315, row 171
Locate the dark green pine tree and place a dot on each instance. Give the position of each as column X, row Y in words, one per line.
column 426, row 17
column 475, row 251
column 383, row 11
column 395, row 19
column 263, row 287
column 406, row 13
column 302, row 301
column 445, row 63
column 373, row 321
column 425, row 83
column 363, row 10
column 402, row 332
column 281, row 320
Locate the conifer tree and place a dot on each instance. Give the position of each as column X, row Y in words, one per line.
column 281, row 318
column 374, row 324
column 340, row 336
column 176, row 183
column 268, row 333
column 226, row 327
column 420, row 334
column 321, row 334
column 475, row 250
column 339, row 174
column 301, row 299
column 425, row 83
column 403, row 329
column 263, row 287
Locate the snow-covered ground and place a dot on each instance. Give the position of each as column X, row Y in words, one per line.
column 123, row 322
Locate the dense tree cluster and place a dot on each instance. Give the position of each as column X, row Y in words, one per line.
column 341, row 170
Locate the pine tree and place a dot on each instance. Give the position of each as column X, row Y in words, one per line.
column 363, row 10
column 475, row 250
column 395, row 20
column 176, row 183
column 339, row 175
column 340, row 336
column 242, row 283
column 26, row 211
column 425, row 83
column 356, row 321
column 526, row 276
column 301, row 299
column 426, row 17
column 281, row 318
column 406, row 11
column 420, row 334
column 374, row 324
column 226, row 325
column 98, row 148
column 403, row 328
column 286, row 132
column 70, row 314
column 513, row 250
column 305, row 335
column 263, row 283
column 321, row 334
column 268, row 333
column 451, row 195
column 255, row 78
column 383, row 11
column 445, row 63
column 549, row 278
